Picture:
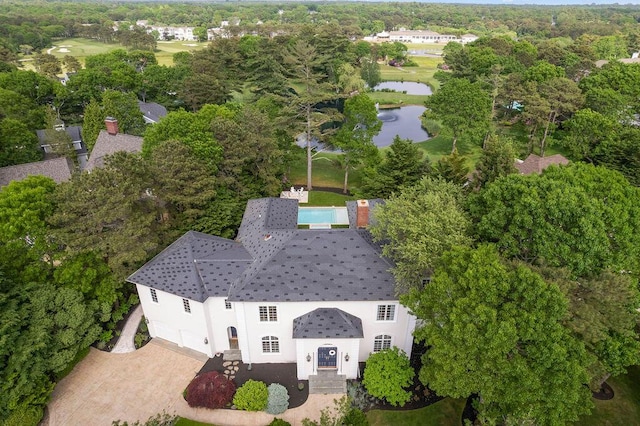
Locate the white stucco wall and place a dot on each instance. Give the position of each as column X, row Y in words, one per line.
column 251, row 336
column 309, row 347
column 220, row 319
column 168, row 320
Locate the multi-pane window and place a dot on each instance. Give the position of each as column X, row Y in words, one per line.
column 154, row 295
column 268, row 313
column 227, row 304
column 186, row 305
column 386, row 313
column 381, row 342
column 270, row 345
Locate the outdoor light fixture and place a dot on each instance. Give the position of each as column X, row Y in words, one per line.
column 346, row 357
column 146, row 320
column 308, row 357
column 206, row 341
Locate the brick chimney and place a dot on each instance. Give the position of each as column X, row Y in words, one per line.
column 112, row 125
column 362, row 213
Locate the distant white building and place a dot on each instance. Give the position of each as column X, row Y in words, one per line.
column 419, row 37
column 323, row 299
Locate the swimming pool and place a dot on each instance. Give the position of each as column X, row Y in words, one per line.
column 324, row 215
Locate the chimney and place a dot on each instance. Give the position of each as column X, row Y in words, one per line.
column 362, row 213
column 112, row 125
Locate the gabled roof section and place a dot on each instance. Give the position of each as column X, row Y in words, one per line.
column 74, row 132
column 327, row 323
column 196, row 266
column 58, row 169
column 107, row 144
column 536, row 164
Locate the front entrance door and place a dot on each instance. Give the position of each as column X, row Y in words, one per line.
column 327, row 357
column 233, row 337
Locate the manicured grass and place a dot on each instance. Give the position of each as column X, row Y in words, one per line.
column 423, row 73
column 327, row 199
column 80, row 48
column 438, row 147
column 623, row 409
column 396, row 98
column 326, row 172
column 447, row 412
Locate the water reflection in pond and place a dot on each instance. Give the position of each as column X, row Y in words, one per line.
column 404, row 122
column 412, row 88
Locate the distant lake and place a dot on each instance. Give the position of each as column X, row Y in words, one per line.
column 411, row 87
column 404, row 122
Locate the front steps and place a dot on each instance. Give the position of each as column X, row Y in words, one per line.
column 327, row 382
column 232, row 355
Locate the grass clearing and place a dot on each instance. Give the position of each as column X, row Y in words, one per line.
column 623, row 409
column 327, row 199
column 447, row 412
column 423, row 73
column 396, row 98
column 326, row 172
column 80, row 48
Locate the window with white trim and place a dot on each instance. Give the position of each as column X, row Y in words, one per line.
column 268, row 313
column 270, row 345
column 227, row 304
column 381, row 342
column 186, row 305
column 154, row 295
column 386, row 313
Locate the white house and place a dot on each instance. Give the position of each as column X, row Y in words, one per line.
column 322, row 298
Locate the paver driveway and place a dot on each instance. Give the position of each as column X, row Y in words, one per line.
column 105, row 387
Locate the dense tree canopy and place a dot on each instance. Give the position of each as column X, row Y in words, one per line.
column 495, row 330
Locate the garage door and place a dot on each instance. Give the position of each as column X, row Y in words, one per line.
column 165, row 332
column 193, row 341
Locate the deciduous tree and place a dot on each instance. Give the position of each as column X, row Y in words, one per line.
column 387, row 375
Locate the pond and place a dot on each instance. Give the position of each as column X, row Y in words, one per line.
column 411, row 87
column 404, row 122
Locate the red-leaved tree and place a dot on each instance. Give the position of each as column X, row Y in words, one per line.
column 210, row 390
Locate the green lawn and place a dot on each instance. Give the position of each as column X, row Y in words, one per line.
column 396, row 98
column 623, row 409
column 82, row 47
column 423, row 73
column 327, row 199
column 186, row 422
column 447, row 412
column 326, row 172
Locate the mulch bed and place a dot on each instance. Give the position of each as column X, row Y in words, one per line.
column 605, row 393
column 285, row 374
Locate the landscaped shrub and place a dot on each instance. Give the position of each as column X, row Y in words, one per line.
column 25, row 415
column 278, row 400
column 252, row 396
column 355, row 417
column 358, row 395
column 210, row 390
column 386, row 374
column 279, row 422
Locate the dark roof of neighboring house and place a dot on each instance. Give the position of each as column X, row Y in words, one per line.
column 327, row 323
column 107, row 144
column 74, row 132
column 152, row 111
column 536, row 164
column 272, row 260
column 58, row 169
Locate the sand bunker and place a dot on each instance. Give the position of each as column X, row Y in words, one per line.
column 64, row 50
column 190, row 44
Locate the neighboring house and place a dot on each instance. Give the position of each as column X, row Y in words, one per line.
column 109, row 142
column 536, row 164
column 323, row 299
column 75, row 133
column 419, row 37
column 58, row 169
column 151, row 111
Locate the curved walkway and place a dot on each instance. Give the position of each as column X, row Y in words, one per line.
column 105, row 387
column 125, row 343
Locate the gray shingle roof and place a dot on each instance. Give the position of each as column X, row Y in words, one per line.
column 195, row 266
column 152, row 111
column 58, row 169
column 279, row 262
column 107, row 144
column 327, row 323
column 74, row 132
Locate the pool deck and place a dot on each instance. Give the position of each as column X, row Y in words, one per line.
column 301, row 196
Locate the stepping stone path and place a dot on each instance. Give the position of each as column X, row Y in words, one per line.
column 231, row 368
